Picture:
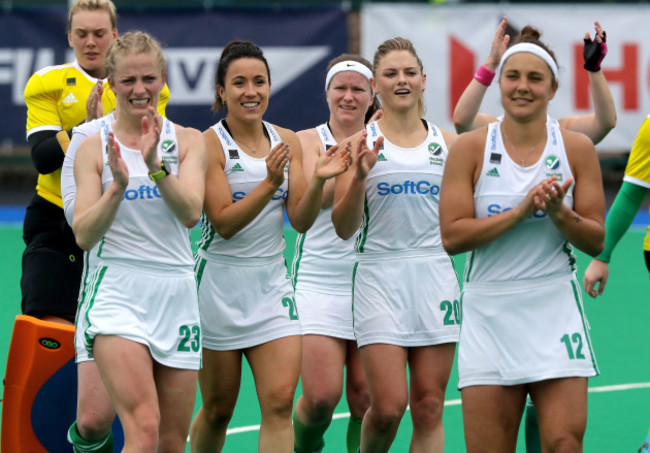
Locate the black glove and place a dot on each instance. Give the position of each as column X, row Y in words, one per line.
column 594, row 52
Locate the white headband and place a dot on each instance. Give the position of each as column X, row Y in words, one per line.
column 530, row 48
column 347, row 65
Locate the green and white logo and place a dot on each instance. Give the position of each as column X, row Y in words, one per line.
column 552, row 162
column 493, row 172
column 168, row 146
column 435, row 148
column 236, row 167
column 381, row 158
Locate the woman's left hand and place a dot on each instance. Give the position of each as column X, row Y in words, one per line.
column 151, row 127
column 550, row 195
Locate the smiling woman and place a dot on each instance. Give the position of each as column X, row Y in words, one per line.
column 522, row 178
column 145, row 339
column 389, row 200
column 254, row 173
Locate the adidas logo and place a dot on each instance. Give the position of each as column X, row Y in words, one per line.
column 70, row 99
column 493, row 172
column 381, row 158
column 236, row 167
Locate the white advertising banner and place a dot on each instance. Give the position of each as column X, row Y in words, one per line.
column 454, row 40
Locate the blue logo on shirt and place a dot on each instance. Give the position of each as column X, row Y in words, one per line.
column 143, row 192
column 408, row 188
column 495, row 209
column 280, row 194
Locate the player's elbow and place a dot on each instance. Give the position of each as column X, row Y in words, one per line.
column 84, row 242
column 595, row 248
column 451, row 246
column 460, row 123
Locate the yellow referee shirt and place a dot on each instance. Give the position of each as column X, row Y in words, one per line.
column 637, row 170
column 56, row 100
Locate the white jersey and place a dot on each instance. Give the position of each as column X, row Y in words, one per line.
column 145, row 229
column 263, row 236
column 68, row 183
column 323, row 262
column 535, row 248
column 402, row 196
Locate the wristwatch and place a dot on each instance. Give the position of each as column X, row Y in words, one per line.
column 159, row 174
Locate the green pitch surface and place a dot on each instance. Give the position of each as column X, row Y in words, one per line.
column 620, row 328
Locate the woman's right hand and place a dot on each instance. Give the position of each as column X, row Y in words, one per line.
column 366, row 158
column 115, row 162
column 499, row 46
column 276, row 161
column 596, row 273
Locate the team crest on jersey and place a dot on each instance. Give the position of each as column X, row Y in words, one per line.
column 168, row 146
column 552, row 162
column 435, row 150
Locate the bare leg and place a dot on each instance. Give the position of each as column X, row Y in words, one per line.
column 429, row 367
column 491, row 417
column 276, row 368
column 220, row 380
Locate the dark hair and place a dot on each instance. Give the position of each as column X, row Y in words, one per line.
column 235, row 50
column 376, row 105
column 531, row 35
column 398, row 44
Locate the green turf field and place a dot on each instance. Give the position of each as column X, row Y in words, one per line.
column 618, row 406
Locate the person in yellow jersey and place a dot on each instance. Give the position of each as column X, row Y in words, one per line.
column 636, row 183
column 59, row 98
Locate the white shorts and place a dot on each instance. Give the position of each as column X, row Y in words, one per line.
column 519, row 332
column 406, row 302
column 325, row 314
column 245, row 302
column 153, row 306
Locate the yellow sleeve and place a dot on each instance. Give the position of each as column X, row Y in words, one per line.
column 163, row 100
column 638, row 164
column 42, row 110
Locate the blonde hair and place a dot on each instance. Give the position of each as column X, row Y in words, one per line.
column 135, row 42
column 93, row 5
column 391, row 45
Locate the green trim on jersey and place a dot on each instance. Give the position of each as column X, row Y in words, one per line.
column 576, row 294
column 354, row 276
column 363, row 228
column 568, row 249
column 468, row 266
column 295, row 265
column 101, row 246
column 207, row 233
column 97, row 277
column 199, row 267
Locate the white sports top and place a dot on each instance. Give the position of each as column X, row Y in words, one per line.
column 323, row 262
column 402, row 195
column 145, row 230
column 68, row 183
column 262, row 237
column 534, row 248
